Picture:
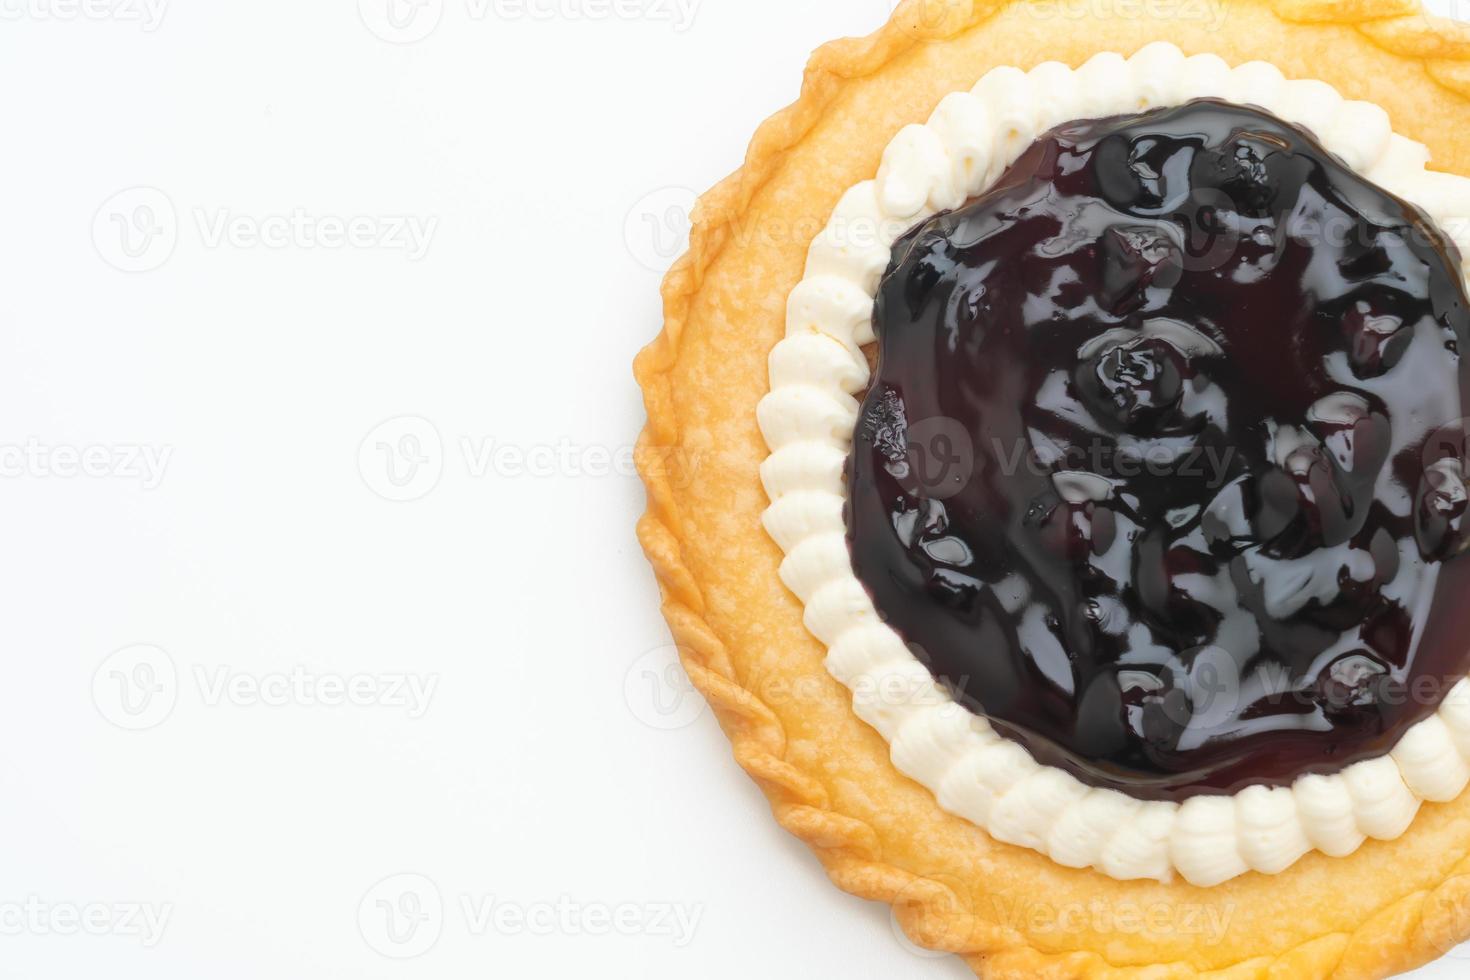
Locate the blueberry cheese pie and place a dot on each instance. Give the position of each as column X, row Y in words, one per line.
column 1077, row 552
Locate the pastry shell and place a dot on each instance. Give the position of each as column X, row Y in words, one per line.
column 1008, row 911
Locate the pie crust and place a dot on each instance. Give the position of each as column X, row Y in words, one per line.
column 1008, row 911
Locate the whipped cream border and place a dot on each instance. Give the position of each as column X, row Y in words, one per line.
column 808, row 418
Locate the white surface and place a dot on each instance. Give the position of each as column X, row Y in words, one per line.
column 255, row 819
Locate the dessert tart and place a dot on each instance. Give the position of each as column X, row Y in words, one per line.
column 1075, row 551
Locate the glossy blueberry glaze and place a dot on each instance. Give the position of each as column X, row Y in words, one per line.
column 1162, row 465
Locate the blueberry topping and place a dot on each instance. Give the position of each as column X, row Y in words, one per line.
column 1163, row 465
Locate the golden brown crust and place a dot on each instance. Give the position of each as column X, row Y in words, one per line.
column 1008, row 911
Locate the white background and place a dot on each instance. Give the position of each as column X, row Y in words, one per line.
column 248, row 467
